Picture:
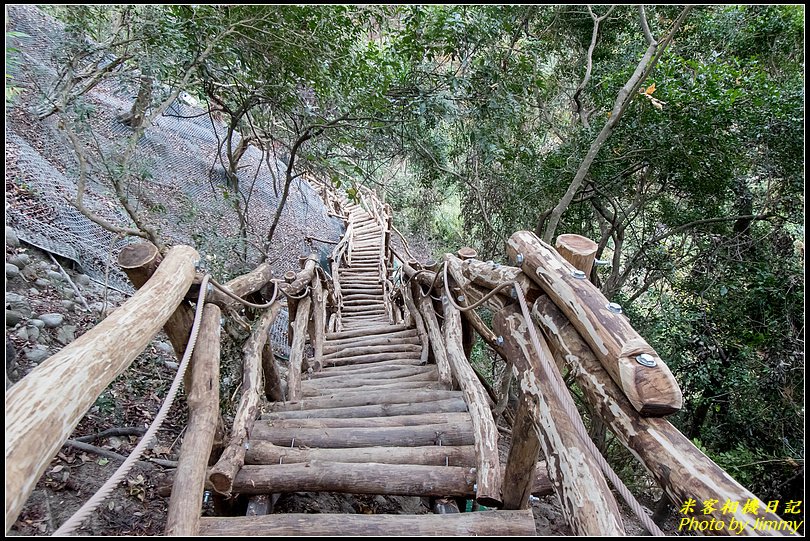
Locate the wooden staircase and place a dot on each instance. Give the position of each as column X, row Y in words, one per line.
column 374, row 420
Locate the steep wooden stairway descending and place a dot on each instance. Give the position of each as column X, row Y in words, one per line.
column 374, row 420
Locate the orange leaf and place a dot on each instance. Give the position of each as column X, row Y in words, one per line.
column 650, row 89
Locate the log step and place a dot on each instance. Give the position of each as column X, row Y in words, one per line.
column 460, row 433
column 382, row 329
column 371, row 422
column 366, row 399
column 353, row 478
column 492, row 523
column 375, row 410
column 313, row 392
column 263, row 452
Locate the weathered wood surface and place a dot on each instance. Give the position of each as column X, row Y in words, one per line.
column 493, row 523
column 203, row 412
column 403, row 436
column 302, row 279
column 273, row 388
column 43, row 408
column 418, row 405
column 353, row 478
column 263, row 452
column 371, row 422
column 653, row 390
column 232, row 458
column 419, row 322
column 414, row 385
column 587, row 502
column 578, row 250
column 486, row 432
column 364, row 399
column 241, row 286
column 523, row 452
column 318, row 321
column 679, row 467
column 139, row 261
column 437, row 343
column 297, row 349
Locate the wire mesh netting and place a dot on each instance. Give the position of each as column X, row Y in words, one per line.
column 177, row 183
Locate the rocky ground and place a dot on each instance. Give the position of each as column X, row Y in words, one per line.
column 43, row 314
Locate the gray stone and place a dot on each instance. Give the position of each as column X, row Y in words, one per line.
column 22, row 334
column 36, row 355
column 82, row 279
column 33, row 292
column 12, row 271
column 55, row 276
column 66, row 334
column 31, row 272
column 164, row 347
column 96, row 306
column 41, row 282
column 21, row 260
column 68, row 305
column 68, row 293
column 33, row 333
column 13, row 317
column 18, row 303
column 11, row 237
column 52, row 320
column 38, row 323
column 171, row 365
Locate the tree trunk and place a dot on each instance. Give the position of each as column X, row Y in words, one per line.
column 203, row 406
column 43, row 408
column 299, row 338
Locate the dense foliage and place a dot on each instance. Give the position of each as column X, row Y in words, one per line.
column 473, row 121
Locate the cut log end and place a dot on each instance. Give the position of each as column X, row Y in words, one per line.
column 137, row 255
column 221, row 482
column 467, row 253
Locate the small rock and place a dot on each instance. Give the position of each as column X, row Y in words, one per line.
column 13, row 317
column 66, row 334
column 21, row 260
column 33, row 333
column 82, row 279
column 36, row 355
column 38, row 323
column 68, row 305
column 68, row 293
column 171, row 365
column 164, row 347
column 41, row 282
column 52, row 320
column 22, row 334
column 33, row 292
column 55, row 276
column 11, row 237
column 12, row 271
column 30, row 272
column 96, row 306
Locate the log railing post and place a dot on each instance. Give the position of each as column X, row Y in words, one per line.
column 43, row 408
column 436, row 342
column 587, row 502
column 297, row 350
column 578, row 250
column 224, row 471
column 486, row 433
column 139, row 261
column 203, row 412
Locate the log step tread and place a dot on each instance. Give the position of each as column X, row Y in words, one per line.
column 481, row 523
